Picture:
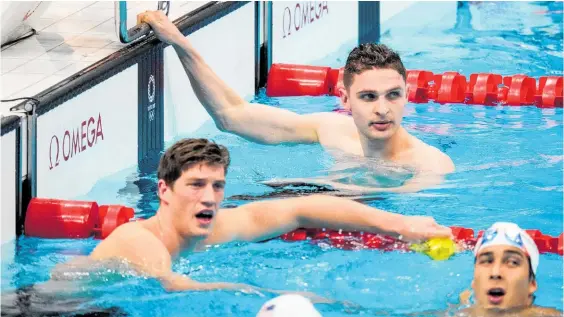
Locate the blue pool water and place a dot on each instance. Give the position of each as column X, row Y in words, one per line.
column 509, row 168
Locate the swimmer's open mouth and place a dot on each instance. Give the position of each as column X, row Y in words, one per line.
column 205, row 215
column 495, row 295
column 380, row 125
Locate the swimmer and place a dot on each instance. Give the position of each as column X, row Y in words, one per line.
column 191, row 182
column 373, row 90
column 506, row 259
column 505, row 268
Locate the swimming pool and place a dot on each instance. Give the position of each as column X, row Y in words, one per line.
column 520, row 182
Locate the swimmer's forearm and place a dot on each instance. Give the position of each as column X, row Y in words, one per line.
column 179, row 282
column 188, row 284
column 339, row 213
column 214, row 94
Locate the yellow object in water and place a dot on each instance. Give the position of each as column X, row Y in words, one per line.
column 438, row 249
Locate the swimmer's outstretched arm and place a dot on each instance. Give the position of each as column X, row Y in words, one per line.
column 231, row 113
column 263, row 220
column 141, row 251
column 178, row 282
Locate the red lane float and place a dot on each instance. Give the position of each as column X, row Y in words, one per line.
column 483, row 89
column 53, row 218
column 70, row 219
column 521, row 90
column 451, row 87
column 286, row 80
column 549, row 93
column 335, row 77
column 113, row 216
column 351, row 240
column 418, row 86
column 297, row 80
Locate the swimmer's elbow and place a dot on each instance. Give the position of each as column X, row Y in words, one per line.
column 222, row 127
column 223, row 123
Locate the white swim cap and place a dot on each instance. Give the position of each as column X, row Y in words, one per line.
column 288, row 305
column 508, row 233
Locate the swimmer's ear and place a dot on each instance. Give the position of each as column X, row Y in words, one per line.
column 532, row 286
column 163, row 190
column 344, row 98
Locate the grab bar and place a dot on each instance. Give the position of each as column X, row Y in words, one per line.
column 139, row 30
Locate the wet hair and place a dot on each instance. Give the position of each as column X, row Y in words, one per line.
column 186, row 153
column 369, row 56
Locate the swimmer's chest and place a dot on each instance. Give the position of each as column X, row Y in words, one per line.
column 367, row 172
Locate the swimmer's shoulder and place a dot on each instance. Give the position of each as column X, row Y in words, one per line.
column 544, row 312
column 133, row 242
column 431, row 158
column 334, row 118
column 535, row 311
column 122, row 246
column 337, row 131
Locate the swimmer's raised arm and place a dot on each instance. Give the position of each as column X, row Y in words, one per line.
column 268, row 219
column 230, row 112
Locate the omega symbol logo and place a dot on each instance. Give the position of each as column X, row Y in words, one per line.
column 151, row 89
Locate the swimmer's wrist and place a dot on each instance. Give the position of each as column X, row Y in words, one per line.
column 398, row 225
column 389, row 223
column 182, row 44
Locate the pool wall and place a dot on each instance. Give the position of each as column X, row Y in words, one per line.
column 10, row 147
column 112, row 115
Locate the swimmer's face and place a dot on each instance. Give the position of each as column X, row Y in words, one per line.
column 501, row 278
column 376, row 99
column 194, row 198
